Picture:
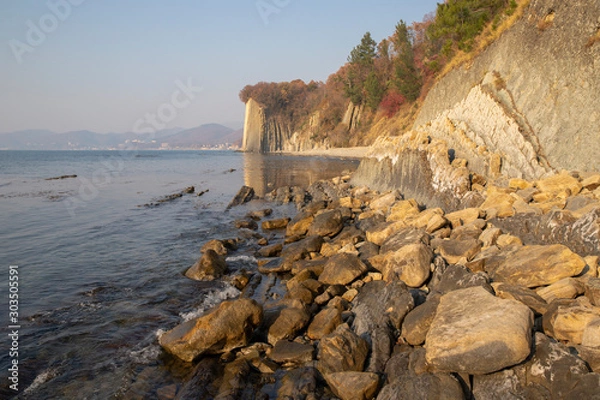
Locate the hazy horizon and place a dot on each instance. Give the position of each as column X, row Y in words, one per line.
column 72, row 65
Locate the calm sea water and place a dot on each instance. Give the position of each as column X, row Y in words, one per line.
column 100, row 274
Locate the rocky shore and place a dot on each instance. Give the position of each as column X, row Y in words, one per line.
column 370, row 295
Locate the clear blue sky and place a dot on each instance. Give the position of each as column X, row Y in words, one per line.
column 104, row 64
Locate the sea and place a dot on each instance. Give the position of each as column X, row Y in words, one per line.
column 93, row 262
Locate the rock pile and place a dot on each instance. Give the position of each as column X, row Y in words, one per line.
column 368, row 295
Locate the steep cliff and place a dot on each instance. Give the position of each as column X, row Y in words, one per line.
column 530, row 98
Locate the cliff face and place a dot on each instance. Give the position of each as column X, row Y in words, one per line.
column 264, row 133
column 530, row 99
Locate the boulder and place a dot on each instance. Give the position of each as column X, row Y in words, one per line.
column 568, row 319
column 567, row 288
column 288, row 324
column 403, row 238
column 259, row 214
column 217, row 246
column 379, row 233
column 249, row 224
column 533, row 266
column 467, row 232
column 300, row 384
column 324, row 323
column 476, row 333
column 403, row 210
column 423, row 387
column 291, row 353
column 591, row 334
column 503, row 385
column 457, row 277
column 381, row 304
column 385, row 201
column 244, row 195
column 382, row 342
column 209, row 267
column 342, row 350
column 350, row 385
column 417, row 322
column 490, row 236
column 299, row 225
column 464, row 216
column 454, row 250
column 226, row 328
column 342, row 269
column 591, row 183
column 498, row 203
column 327, row 224
column 410, row 264
column 273, row 250
column 273, row 224
column 523, row 295
column 592, row 291
column 558, row 183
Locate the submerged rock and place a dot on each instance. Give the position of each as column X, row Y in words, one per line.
column 224, row 329
column 209, row 267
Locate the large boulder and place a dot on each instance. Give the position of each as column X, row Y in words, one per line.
column 324, row 323
column 290, row 321
column 342, row 350
column 350, row 385
column 476, row 333
column 568, row 319
column 418, row 321
column 455, row 250
column 410, row 264
column 224, row 329
column 381, row 304
column 533, row 266
column 209, row 267
column 327, row 224
column 423, row 387
column 342, row 269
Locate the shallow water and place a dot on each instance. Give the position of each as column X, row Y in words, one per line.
column 100, row 274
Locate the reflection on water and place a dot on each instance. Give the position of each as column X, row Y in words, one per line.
column 265, row 172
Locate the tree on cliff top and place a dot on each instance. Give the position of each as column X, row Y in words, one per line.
column 361, row 63
column 406, row 76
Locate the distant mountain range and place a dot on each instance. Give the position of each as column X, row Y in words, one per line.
column 203, row 136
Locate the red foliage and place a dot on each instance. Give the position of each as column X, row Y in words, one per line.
column 391, row 103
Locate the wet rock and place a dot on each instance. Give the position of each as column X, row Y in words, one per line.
column 533, row 266
column 404, row 237
column 423, row 387
column 235, row 380
column 290, row 321
column 342, row 350
column 226, row 328
column 410, row 264
column 244, row 195
column 216, row 245
column 291, row 353
column 567, row 319
column 291, row 253
column 381, row 304
column 324, row 323
column 246, row 224
column 275, row 266
column 457, row 277
column 326, row 224
column 342, row 269
column 417, row 322
column 209, row 267
column 567, row 288
column 201, row 381
column 455, row 250
column 300, row 384
column 351, row 385
column 270, row 251
column 259, row 214
column 274, row 224
column 523, row 295
column 476, row 333
column 166, row 392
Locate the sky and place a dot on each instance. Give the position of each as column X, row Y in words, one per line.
column 142, row 65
